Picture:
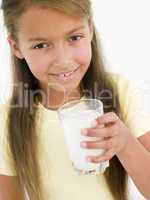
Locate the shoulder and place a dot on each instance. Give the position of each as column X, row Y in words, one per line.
column 6, row 165
column 4, row 109
column 119, row 80
column 134, row 101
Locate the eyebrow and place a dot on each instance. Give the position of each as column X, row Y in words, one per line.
column 45, row 39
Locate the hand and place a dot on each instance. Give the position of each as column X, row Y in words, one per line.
column 112, row 134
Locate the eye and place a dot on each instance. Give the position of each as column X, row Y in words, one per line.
column 75, row 38
column 40, row 46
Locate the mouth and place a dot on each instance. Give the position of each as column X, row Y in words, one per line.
column 65, row 76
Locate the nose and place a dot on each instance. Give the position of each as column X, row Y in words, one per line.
column 62, row 56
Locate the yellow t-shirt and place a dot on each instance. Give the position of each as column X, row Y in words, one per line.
column 60, row 180
column 6, row 166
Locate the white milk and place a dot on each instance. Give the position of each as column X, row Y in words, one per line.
column 73, row 124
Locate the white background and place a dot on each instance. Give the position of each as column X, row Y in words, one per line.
column 124, row 28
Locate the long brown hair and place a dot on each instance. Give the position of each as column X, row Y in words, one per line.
column 22, row 134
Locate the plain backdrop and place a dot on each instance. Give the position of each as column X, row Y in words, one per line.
column 124, row 29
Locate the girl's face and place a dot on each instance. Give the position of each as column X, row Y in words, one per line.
column 56, row 47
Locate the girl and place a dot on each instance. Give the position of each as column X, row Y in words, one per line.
column 55, row 59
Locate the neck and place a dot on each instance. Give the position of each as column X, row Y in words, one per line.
column 55, row 99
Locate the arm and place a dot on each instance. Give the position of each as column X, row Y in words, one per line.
column 133, row 153
column 9, row 188
column 136, row 160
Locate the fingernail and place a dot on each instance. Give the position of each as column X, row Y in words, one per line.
column 94, row 123
column 83, row 144
column 88, row 159
column 84, row 132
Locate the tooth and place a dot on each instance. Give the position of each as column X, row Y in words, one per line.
column 61, row 75
column 68, row 74
column 65, row 75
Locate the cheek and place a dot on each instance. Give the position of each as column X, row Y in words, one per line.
column 37, row 65
column 83, row 55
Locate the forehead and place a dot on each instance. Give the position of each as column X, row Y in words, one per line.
column 47, row 21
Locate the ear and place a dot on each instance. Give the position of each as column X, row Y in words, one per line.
column 14, row 47
column 91, row 28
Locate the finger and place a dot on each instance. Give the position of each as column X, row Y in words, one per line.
column 105, row 119
column 105, row 144
column 99, row 132
column 108, row 155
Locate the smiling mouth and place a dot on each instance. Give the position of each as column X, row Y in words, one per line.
column 65, row 76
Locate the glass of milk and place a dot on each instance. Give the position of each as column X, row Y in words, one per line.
column 75, row 116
